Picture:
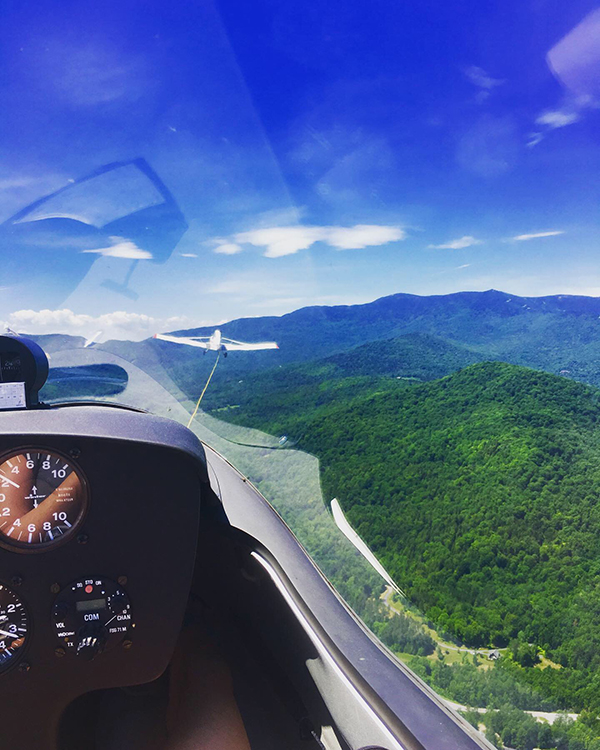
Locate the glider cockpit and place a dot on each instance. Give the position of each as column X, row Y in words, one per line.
column 145, row 585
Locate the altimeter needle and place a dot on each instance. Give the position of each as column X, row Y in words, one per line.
column 9, row 635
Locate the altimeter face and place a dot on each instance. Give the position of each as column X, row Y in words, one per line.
column 14, row 627
column 42, row 499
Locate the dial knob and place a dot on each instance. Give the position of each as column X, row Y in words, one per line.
column 91, row 640
column 118, row 602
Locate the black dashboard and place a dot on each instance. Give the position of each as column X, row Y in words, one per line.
column 99, row 512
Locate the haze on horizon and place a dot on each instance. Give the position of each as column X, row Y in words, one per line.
column 125, row 326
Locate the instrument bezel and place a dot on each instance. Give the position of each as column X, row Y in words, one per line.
column 41, row 547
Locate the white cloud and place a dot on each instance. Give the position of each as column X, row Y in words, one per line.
column 188, row 255
column 459, row 244
column 557, row 118
column 228, row 248
column 280, row 241
column 464, row 265
column 570, row 111
column 287, row 240
column 536, row 235
column 534, row 139
column 114, row 325
column 480, row 78
column 363, row 235
column 121, row 248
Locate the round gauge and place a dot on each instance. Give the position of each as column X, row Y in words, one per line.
column 14, row 627
column 43, row 498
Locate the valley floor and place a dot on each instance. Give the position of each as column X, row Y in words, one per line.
column 389, row 598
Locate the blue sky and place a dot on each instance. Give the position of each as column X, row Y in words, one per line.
column 321, row 153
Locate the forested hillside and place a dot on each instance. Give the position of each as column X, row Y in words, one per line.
column 479, row 492
column 414, row 355
column 283, row 394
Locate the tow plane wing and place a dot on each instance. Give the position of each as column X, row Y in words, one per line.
column 233, row 346
column 201, row 343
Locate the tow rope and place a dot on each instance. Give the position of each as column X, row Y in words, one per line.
column 212, row 372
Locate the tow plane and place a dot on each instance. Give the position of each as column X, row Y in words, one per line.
column 216, row 342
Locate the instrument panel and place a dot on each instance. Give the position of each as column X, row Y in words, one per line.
column 92, row 591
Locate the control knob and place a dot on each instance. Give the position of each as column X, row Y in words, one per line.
column 91, row 640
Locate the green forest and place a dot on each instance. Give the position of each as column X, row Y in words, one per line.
column 479, row 493
column 295, row 391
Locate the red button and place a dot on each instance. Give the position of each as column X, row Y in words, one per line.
column 89, row 588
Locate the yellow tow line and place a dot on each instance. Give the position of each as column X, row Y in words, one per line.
column 212, row 372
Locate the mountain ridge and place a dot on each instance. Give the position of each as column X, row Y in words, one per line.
column 553, row 333
column 554, row 303
column 557, row 333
